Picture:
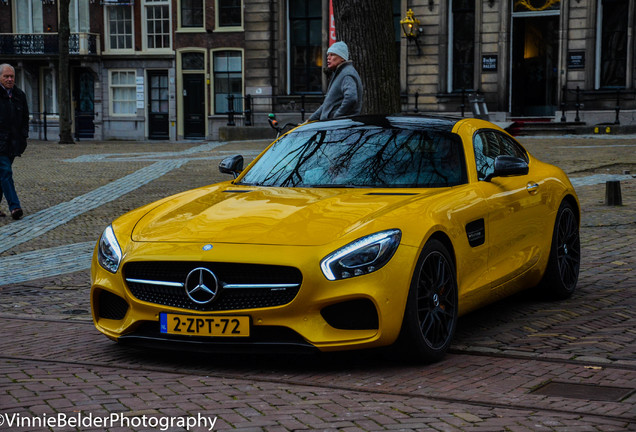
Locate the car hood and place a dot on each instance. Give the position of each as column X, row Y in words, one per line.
column 258, row 215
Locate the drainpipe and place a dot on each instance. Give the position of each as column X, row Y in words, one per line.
column 272, row 47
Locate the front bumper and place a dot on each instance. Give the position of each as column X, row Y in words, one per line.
column 360, row 312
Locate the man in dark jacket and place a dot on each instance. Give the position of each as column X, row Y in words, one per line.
column 344, row 94
column 14, row 131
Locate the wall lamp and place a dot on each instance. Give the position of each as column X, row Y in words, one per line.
column 412, row 29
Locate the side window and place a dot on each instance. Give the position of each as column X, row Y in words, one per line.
column 510, row 147
column 486, row 147
column 490, row 144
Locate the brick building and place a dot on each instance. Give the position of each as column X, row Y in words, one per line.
column 163, row 69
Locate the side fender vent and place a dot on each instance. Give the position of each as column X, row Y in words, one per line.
column 476, row 232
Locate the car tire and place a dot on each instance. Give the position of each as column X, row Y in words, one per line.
column 431, row 309
column 562, row 272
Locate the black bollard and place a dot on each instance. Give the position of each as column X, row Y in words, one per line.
column 613, row 193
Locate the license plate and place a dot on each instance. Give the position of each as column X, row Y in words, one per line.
column 196, row 325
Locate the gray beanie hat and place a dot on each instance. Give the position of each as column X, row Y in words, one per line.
column 339, row 48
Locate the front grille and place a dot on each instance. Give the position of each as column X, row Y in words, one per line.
column 227, row 273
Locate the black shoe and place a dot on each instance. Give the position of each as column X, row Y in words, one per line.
column 16, row 213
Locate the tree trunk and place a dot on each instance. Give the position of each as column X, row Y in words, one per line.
column 64, row 92
column 366, row 26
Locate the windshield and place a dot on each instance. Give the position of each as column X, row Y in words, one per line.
column 361, row 157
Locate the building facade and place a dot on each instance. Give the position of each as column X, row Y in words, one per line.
column 173, row 69
column 530, row 58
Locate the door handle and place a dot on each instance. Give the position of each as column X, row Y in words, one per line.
column 532, row 188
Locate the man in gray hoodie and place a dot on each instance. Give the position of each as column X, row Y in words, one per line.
column 344, row 94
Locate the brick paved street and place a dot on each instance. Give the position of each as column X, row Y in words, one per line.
column 54, row 362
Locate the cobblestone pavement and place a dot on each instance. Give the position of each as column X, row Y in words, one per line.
column 501, row 375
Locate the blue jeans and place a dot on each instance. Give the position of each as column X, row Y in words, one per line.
column 6, row 183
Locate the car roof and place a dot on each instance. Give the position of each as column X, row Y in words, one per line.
column 397, row 121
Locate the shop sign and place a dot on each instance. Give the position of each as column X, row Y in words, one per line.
column 489, row 63
column 576, row 60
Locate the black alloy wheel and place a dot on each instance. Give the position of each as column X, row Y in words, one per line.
column 431, row 310
column 562, row 272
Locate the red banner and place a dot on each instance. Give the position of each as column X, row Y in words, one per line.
column 332, row 24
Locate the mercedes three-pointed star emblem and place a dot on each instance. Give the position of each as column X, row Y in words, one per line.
column 201, row 285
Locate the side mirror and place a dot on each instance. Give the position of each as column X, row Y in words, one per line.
column 508, row 166
column 232, row 165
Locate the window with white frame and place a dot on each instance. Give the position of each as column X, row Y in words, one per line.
column 228, row 80
column 119, row 27
column 192, row 13
column 78, row 16
column 28, row 17
column 229, row 13
column 123, row 99
column 157, row 24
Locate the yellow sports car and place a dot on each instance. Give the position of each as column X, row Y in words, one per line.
column 345, row 234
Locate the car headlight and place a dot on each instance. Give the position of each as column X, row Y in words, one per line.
column 362, row 256
column 108, row 250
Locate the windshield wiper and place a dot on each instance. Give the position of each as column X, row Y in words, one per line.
column 249, row 184
column 337, row 185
